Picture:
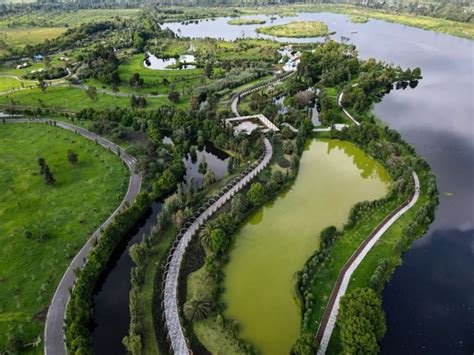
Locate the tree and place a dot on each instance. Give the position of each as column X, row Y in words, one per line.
column 72, row 157
column 362, row 322
column 256, row 194
column 208, row 69
column 239, row 206
column 173, row 96
column 41, row 163
column 48, row 176
column 218, row 242
column 195, row 310
column 91, row 92
column 42, row 85
column 136, row 81
column 203, row 166
column 205, row 233
column 209, row 178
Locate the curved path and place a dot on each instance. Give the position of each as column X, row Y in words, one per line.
column 170, row 304
column 61, row 82
column 329, row 318
column 54, row 329
column 175, row 330
column 348, row 115
column 328, row 322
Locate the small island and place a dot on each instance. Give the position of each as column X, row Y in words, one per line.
column 246, row 21
column 296, row 29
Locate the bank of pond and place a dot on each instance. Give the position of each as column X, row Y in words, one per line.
column 274, row 242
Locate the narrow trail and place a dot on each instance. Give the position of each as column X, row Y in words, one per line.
column 54, row 343
column 328, row 322
column 170, row 304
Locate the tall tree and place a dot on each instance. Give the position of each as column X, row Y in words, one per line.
column 72, row 157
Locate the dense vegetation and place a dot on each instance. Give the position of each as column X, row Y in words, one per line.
column 93, row 72
column 296, row 29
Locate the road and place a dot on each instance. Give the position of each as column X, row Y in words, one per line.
column 54, row 343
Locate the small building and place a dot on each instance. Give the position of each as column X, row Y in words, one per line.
column 23, row 65
column 38, row 57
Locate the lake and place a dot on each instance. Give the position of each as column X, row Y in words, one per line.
column 429, row 302
column 277, row 240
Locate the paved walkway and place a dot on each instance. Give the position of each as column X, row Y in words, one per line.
column 175, row 330
column 171, row 308
column 54, row 329
column 348, row 115
column 330, row 315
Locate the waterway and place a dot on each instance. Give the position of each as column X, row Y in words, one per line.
column 110, row 311
column 276, row 240
column 429, row 302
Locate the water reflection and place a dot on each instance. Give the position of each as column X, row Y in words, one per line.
column 110, row 311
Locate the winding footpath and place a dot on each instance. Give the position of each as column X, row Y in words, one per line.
column 54, row 343
column 170, row 293
column 328, row 322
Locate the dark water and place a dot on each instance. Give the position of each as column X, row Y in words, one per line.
column 429, row 302
column 216, row 159
column 110, row 313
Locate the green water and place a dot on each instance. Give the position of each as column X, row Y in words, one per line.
column 277, row 239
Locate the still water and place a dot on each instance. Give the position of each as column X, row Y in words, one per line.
column 111, row 313
column 276, row 240
column 429, row 302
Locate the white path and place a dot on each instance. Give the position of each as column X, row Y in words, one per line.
column 339, row 102
column 347, row 275
column 54, row 343
column 173, row 324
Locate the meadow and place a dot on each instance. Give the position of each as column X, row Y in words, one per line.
column 64, row 98
column 64, row 215
column 296, row 29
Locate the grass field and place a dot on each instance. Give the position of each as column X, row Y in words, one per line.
column 382, row 249
column 296, row 29
column 20, row 37
column 246, row 21
column 73, row 99
column 69, row 212
column 8, row 83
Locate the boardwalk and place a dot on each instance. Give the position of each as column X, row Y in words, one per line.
column 330, row 315
column 54, row 329
column 170, row 305
column 175, row 330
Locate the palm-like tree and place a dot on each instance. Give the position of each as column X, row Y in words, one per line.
column 195, row 310
column 205, row 233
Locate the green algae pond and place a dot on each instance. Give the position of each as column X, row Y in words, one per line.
column 276, row 240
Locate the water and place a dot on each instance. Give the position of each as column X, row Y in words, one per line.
column 429, row 302
column 155, row 63
column 111, row 313
column 276, row 241
column 216, row 159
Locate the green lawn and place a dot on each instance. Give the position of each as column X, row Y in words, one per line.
column 69, row 212
column 296, row 29
column 20, row 37
column 72, row 99
column 382, row 249
column 246, row 21
column 8, row 83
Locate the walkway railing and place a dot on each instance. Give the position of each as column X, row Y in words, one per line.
column 171, row 280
